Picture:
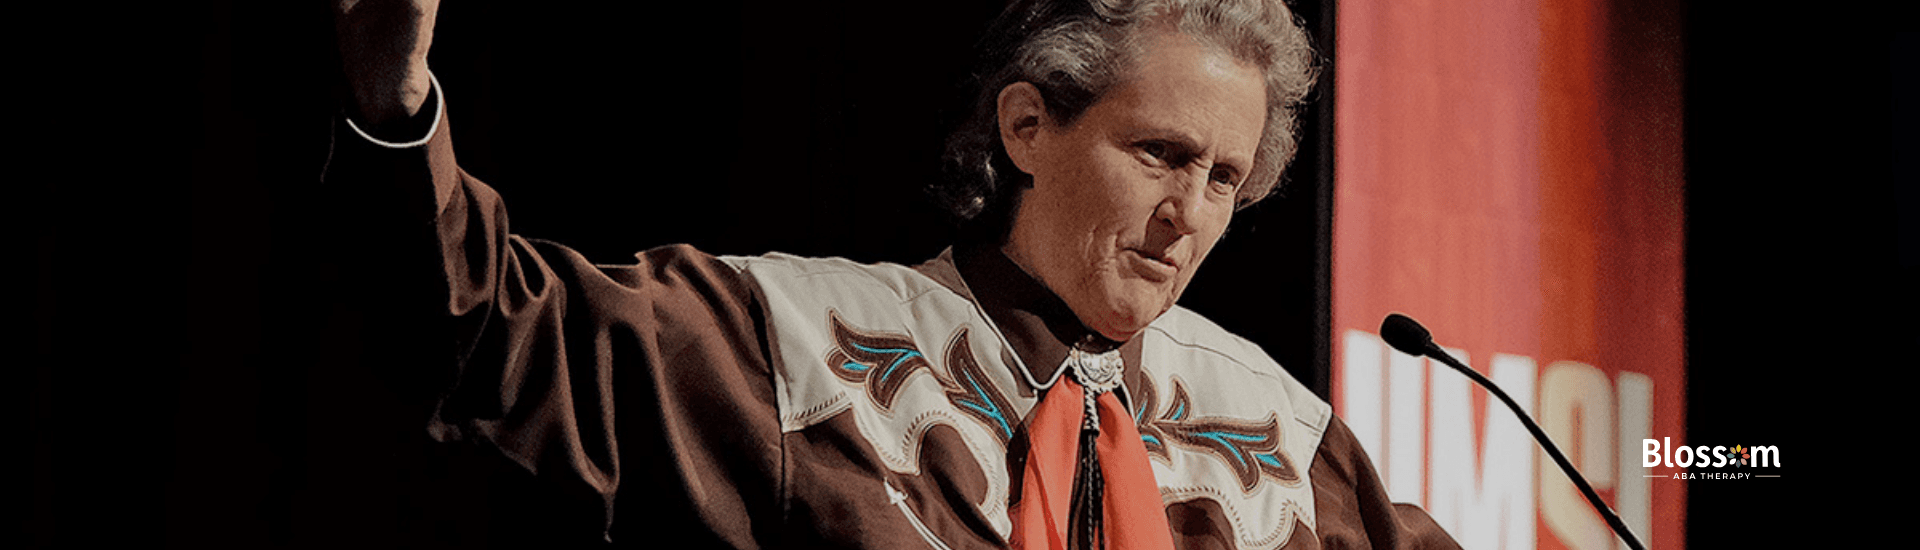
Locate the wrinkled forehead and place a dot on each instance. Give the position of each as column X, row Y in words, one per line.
column 1203, row 93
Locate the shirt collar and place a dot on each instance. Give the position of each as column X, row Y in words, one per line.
column 1036, row 322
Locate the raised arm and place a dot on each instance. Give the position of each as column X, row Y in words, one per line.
column 646, row 381
column 383, row 52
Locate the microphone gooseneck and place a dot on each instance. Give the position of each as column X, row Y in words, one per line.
column 1406, row 335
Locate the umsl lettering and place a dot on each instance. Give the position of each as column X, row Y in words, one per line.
column 1395, row 404
column 1578, row 400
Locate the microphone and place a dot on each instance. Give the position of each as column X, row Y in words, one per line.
column 1406, row 335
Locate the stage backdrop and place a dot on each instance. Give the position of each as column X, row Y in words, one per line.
column 1509, row 172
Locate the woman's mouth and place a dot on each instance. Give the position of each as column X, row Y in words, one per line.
column 1151, row 266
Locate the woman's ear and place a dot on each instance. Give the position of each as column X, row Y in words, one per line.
column 1022, row 112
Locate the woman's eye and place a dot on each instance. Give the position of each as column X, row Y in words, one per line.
column 1222, row 179
column 1154, row 149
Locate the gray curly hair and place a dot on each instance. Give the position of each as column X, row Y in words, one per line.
column 1075, row 51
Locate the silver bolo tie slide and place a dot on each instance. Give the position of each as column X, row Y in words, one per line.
column 1097, row 373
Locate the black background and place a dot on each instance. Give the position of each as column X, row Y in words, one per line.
column 202, row 377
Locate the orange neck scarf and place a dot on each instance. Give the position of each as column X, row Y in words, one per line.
column 1133, row 517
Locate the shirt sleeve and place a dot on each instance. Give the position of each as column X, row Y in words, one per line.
column 1353, row 508
column 642, row 390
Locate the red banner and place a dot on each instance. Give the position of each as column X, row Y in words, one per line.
column 1509, row 173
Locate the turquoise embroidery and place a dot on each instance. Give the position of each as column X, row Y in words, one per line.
column 857, row 354
column 903, row 353
column 1251, row 449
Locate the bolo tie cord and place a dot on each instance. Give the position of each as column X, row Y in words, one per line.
column 1085, row 516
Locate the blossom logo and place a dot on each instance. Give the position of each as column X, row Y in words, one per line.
column 1657, row 453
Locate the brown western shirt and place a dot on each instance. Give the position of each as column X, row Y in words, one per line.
column 658, row 397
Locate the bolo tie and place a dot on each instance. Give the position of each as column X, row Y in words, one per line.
column 1087, row 482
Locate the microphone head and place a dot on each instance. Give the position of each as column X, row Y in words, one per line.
column 1406, row 335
